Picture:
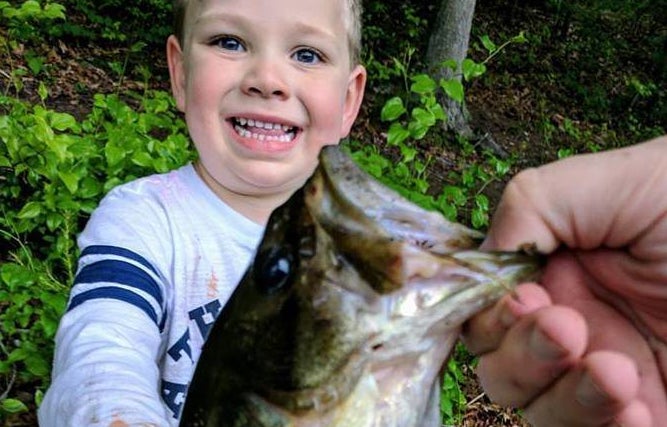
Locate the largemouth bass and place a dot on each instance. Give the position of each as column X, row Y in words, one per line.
column 348, row 312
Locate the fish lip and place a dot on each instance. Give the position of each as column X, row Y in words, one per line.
column 326, row 396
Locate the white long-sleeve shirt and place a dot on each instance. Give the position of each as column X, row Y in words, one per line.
column 160, row 257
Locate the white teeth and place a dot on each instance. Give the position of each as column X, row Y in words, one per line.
column 262, row 137
column 263, row 125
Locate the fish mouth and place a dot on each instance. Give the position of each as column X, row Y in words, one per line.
column 264, row 130
column 325, row 397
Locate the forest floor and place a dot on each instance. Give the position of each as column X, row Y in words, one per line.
column 517, row 108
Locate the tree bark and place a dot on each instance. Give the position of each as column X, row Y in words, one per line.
column 449, row 40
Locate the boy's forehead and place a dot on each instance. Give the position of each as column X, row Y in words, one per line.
column 335, row 11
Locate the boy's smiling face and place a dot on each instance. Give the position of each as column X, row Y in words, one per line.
column 264, row 85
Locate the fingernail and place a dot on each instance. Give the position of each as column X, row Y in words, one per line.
column 544, row 347
column 589, row 394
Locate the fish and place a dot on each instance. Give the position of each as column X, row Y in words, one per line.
column 348, row 312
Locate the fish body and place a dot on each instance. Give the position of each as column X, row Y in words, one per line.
column 348, row 312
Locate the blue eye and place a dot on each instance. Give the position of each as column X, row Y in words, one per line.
column 307, row 56
column 228, row 43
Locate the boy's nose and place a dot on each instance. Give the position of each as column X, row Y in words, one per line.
column 265, row 78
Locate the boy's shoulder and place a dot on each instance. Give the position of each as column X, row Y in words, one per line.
column 150, row 202
column 156, row 186
column 162, row 204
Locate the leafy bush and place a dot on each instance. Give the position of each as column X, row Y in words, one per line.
column 31, row 18
column 149, row 21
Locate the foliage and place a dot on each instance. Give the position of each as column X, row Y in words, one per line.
column 31, row 18
column 601, row 64
column 411, row 117
column 117, row 21
column 452, row 398
column 25, row 24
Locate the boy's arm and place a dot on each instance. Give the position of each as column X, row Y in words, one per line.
column 109, row 344
column 105, row 369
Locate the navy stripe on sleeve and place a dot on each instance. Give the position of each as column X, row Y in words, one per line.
column 107, row 272
column 119, row 294
column 115, row 250
column 115, row 271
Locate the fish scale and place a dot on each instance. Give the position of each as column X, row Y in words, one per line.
column 348, row 312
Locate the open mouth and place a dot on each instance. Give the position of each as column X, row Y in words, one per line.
column 264, row 131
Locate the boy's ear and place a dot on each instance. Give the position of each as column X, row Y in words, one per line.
column 176, row 71
column 355, row 94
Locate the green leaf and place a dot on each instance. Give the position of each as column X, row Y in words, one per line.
column 42, row 129
column 42, row 91
column 143, row 159
column 137, row 47
column 12, row 406
column 418, row 129
column 397, row 134
column 424, row 117
column 36, row 365
column 54, row 11
column 408, row 153
column 392, row 109
column 472, row 69
column 479, row 218
column 482, row 202
column 453, row 88
column 423, row 84
column 521, row 38
column 70, row 179
column 455, row 195
column 451, row 64
column 89, row 187
column 114, row 154
column 30, row 8
column 35, row 63
column 39, row 396
column 53, row 220
column 438, row 112
column 62, row 121
column 30, row 210
column 488, row 44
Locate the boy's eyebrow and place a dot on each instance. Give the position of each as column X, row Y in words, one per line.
column 232, row 18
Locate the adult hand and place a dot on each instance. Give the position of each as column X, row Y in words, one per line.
column 588, row 346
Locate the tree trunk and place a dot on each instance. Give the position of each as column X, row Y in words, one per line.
column 449, row 40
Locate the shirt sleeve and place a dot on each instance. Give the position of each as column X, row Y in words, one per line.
column 108, row 345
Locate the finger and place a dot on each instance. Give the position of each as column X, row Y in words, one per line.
column 600, row 392
column 485, row 331
column 518, row 219
column 534, row 353
column 569, row 202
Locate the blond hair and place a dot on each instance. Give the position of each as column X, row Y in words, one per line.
column 352, row 25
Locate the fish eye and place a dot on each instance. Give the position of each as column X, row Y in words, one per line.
column 274, row 269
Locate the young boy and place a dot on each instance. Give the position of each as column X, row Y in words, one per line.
column 264, row 85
